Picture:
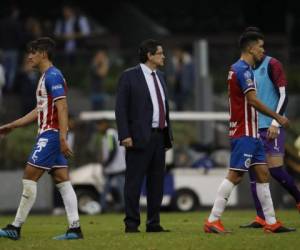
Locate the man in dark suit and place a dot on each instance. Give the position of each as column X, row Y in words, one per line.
column 142, row 115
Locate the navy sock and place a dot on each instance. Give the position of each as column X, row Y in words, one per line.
column 287, row 181
column 257, row 204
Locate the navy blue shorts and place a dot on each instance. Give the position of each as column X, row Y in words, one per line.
column 245, row 152
column 46, row 152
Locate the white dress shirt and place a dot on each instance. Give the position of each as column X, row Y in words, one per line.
column 150, row 83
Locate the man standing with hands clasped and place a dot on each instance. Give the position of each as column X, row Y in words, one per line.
column 142, row 115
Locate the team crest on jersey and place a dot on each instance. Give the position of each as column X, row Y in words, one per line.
column 249, row 82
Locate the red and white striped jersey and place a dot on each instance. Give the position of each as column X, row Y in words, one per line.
column 243, row 117
column 51, row 87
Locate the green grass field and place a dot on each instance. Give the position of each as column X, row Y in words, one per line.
column 107, row 232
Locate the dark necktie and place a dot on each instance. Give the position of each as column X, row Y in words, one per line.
column 160, row 103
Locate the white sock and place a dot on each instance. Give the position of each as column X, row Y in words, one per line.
column 223, row 194
column 70, row 201
column 26, row 203
column 264, row 196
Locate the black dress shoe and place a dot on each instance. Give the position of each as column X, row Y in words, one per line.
column 156, row 229
column 131, row 230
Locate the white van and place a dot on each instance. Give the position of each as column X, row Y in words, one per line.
column 185, row 189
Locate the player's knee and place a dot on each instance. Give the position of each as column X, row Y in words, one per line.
column 32, row 173
column 60, row 175
column 60, row 179
column 237, row 180
column 263, row 176
column 235, row 176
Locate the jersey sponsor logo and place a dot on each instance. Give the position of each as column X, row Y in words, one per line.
column 233, row 128
column 58, row 86
column 42, row 142
column 232, row 132
column 233, row 124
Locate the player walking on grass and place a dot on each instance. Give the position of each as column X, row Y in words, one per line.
column 51, row 148
column 271, row 90
column 247, row 151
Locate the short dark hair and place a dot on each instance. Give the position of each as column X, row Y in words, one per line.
column 250, row 34
column 42, row 44
column 148, row 46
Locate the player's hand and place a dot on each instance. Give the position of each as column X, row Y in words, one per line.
column 65, row 149
column 272, row 132
column 283, row 121
column 5, row 129
column 127, row 142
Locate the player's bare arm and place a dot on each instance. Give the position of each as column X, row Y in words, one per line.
column 23, row 121
column 62, row 110
column 257, row 104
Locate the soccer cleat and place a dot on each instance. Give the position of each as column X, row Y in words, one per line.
column 71, row 234
column 277, row 228
column 214, row 227
column 10, row 232
column 257, row 223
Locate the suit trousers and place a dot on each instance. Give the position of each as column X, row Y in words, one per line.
column 148, row 162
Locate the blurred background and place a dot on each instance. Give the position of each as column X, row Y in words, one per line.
column 96, row 43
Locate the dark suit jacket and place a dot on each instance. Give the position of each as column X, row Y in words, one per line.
column 134, row 109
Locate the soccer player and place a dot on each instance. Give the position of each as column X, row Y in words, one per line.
column 246, row 149
column 271, row 90
column 51, row 148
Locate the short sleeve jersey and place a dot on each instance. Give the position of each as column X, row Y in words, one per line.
column 51, row 87
column 243, row 117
